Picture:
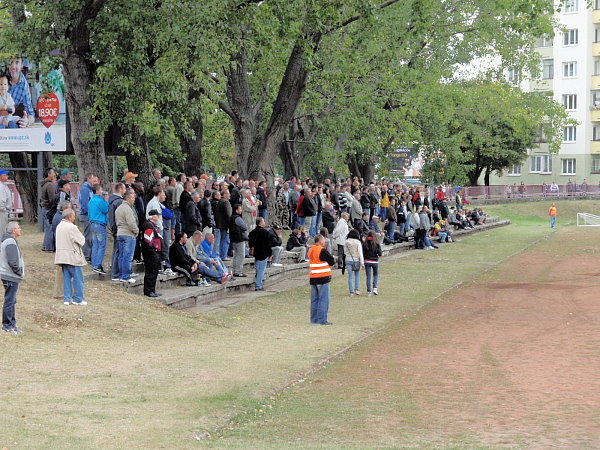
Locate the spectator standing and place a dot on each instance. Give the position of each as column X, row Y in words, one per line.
column 319, row 278
column 114, row 201
column 249, row 209
column 48, row 193
column 69, row 255
column 552, row 214
column 152, row 243
column 238, row 235
column 127, row 232
column 12, row 272
column 310, row 209
column 392, row 218
column 83, row 198
column 6, row 201
column 354, row 261
column 261, row 195
column 155, row 204
column 356, row 210
column 140, row 209
column 372, row 253
column 293, row 204
column 98, row 217
column 283, row 209
column 259, row 241
column 193, row 217
column 339, row 237
column 328, row 217
column 222, row 215
column 206, row 213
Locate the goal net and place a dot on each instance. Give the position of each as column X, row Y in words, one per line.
column 587, row 220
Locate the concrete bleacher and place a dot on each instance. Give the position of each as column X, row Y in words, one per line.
column 176, row 294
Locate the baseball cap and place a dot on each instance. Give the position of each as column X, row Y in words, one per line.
column 3, row 172
column 65, row 172
column 130, row 175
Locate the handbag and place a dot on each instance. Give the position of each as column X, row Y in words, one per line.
column 355, row 267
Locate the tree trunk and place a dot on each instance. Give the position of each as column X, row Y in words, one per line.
column 25, row 182
column 488, row 172
column 79, row 73
column 140, row 163
column 192, row 149
column 286, row 153
column 246, row 117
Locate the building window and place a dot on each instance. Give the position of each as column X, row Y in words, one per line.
column 568, row 167
column 546, row 41
column 540, row 164
column 596, row 67
column 596, row 133
column 569, row 134
column 513, row 75
column 548, row 69
column 514, row 170
column 571, row 6
column 595, row 164
column 570, row 69
column 570, row 102
column 596, row 4
column 570, row 37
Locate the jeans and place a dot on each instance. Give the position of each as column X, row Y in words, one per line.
column 308, row 221
column 87, row 233
column 72, row 283
column 98, row 243
column 277, row 251
column 221, row 245
column 314, row 229
column 552, row 221
column 382, row 213
column 126, row 249
column 207, row 272
column 263, row 213
column 239, row 250
column 402, row 228
column 300, row 221
column 48, row 243
column 10, row 300
column 115, row 271
column 442, row 235
column 392, row 231
column 176, row 221
column 372, row 267
column 261, row 266
column 319, row 303
column 353, row 276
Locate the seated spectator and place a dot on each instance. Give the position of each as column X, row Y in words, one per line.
column 196, row 251
column 461, row 216
column 276, row 245
column 207, row 242
column 295, row 245
column 442, row 231
column 184, row 264
column 374, row 226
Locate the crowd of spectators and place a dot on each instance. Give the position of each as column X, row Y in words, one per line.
column 205, row 229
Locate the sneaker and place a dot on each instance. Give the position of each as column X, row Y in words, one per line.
column 368, row 294
column 169, row 272
column 130, row 281
column 225, row 278
column 161, row 271
column 9, row 330
column 67, row 302
column 137, row 261
column 99, row 270
column 81, row 303
column 240, row 275
column 356, row 292
column 17, row 330
column 153, row 295
column 115, row 279
column 375, row 291
column 204, row 283
column 277, row 265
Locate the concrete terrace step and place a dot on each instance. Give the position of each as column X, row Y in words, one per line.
column 181, row 297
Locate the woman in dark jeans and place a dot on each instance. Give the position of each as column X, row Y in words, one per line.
column 371, row 253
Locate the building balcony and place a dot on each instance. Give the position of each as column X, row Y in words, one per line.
column 546, row 85
column 595, row 115
column 595, row 147
column 595, row 81
column 545, row 52
column 596, row 16
column 595, row 48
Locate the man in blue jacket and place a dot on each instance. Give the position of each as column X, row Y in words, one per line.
column 83, row 199
column 98, row 216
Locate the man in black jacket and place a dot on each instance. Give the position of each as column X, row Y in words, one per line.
column 184, row 199
column 238, row 235
column 222, row 213
column 276, row 245
column 181, row 261
column 261, row 194
column 206, row 213
column 260, row 243
column 193, row 218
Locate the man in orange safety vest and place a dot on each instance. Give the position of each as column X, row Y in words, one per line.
column 320, row 261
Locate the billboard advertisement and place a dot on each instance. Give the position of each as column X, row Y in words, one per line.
column 407, row 162
column 32, row 109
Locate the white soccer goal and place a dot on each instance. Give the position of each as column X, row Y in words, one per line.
column 587, row 220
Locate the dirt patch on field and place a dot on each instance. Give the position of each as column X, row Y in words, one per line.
column 512, row 360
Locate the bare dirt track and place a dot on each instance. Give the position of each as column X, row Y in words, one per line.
column 511, row 360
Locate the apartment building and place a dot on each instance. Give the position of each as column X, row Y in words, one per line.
column 571, row 74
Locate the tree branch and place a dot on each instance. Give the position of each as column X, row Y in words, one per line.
column 358, row 16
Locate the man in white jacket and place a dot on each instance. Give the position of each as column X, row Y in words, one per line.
column 339, row 237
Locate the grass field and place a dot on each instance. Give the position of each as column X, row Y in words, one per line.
column 128, row 372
